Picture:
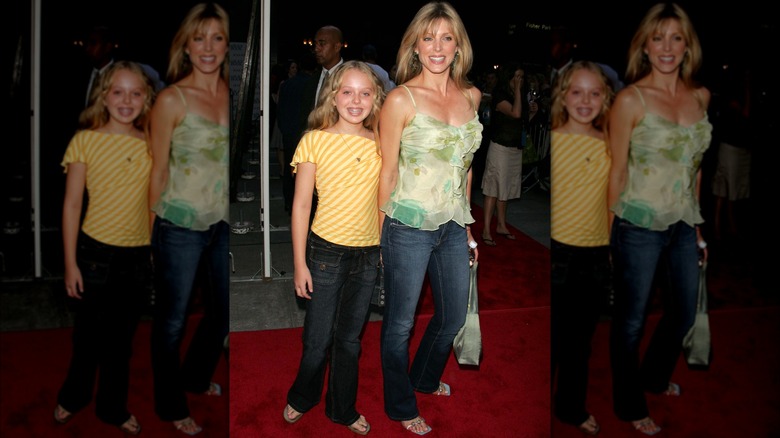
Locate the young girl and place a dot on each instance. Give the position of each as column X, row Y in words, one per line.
column 335, row 261
column 580, row 165
column 107, row 258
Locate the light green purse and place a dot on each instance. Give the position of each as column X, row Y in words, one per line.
column 697, row 345
column 468, row 342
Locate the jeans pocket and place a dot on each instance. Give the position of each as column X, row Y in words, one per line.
column 94, row 265
column 324, row 264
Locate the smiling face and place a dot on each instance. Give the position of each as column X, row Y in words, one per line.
column 584, row 99
column 125, row 98
column 355, row 97
column 208, row 47
column 666, row 47
column 437, row 47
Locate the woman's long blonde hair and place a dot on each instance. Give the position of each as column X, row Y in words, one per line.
column 638, row 64
column 408, row 63
column 179, row 64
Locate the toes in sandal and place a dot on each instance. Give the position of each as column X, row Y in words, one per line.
column 360, row 427
column 61, row 415
column 214, row 389
column 444, row 389
column 188, row 426
column 672, row 390
column 131, row 426
column 590, row 426
column 647, row 426
column 416, row 422
column 288, row 410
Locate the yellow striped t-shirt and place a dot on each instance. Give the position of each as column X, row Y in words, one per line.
column 118, row 168
column 579, row 176
column 347, row 180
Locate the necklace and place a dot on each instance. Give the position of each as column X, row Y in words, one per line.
column 356, row 156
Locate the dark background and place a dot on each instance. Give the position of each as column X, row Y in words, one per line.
column 730, row 32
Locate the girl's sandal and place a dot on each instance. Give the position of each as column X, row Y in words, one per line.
column 61, row 415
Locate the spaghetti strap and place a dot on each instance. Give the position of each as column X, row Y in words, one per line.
column 471, row 100
column 414, row 104
column 639, row 93
column 184, row 101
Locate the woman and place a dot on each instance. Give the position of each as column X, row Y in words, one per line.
column 188, row 195
column 658, row 133
column 503, row 176
column 429, row 131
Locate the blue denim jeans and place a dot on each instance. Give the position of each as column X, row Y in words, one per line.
column 116, row 284
column 408, row 254
column 343, row 279
column 637, row 255
column 179, row 254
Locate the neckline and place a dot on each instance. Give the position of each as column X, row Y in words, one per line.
column 703, row 119
column 418, row 113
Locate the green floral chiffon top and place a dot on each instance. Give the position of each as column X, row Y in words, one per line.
column 664, row 158
column 433, row 166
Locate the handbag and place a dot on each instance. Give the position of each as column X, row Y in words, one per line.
column 468, row 342
column 697, row 343
column 378, row 296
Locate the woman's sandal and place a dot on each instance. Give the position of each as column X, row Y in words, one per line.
column 214, row 390
column 488, row 241
column 131, row 426
column 416, row 422
column 647, row 426
column 61, row 415
column 290, row 410
column 590, row 426
column 672, row 390
column 443, row 389
column 188, row 426
column 360, row 427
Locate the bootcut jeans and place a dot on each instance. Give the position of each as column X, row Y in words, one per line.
column 178, row 254
column 637, row 254
column 408, row 254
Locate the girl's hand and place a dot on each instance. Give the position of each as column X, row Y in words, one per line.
column 74, row 284
column 304, row 286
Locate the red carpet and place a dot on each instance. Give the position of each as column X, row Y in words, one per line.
column 508, row 396
column 514, row 274
column 34, row 364
column 738, row 396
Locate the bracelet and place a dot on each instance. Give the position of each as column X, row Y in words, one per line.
column 702, row 244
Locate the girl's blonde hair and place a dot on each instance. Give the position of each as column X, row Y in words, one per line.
column 325, row 113
column 558, row 108
column 408, row 62
column 638, row 65
column 96, row 114
column 196, row 21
